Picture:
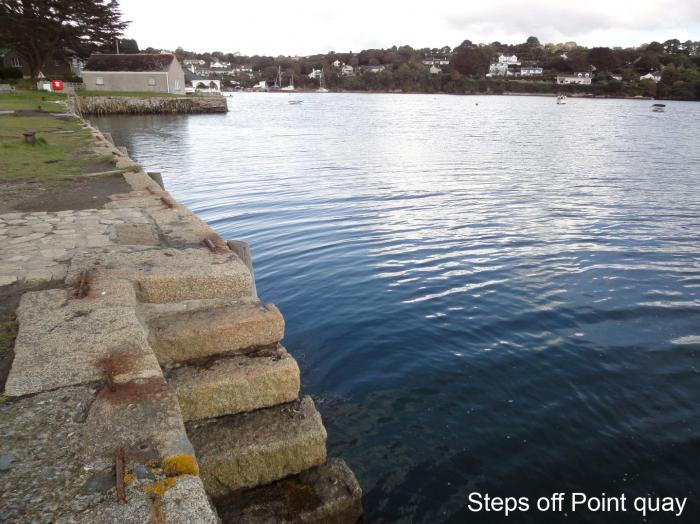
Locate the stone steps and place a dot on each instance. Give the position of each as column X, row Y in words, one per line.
column 210, row 331
column 237, row 384
column 326, row 493
column 252, row 449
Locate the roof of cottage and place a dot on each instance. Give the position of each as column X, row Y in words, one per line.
column 129, row 62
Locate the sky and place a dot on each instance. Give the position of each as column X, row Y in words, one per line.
column 305, row 27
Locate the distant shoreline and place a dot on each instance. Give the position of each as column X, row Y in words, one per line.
column 548, row 95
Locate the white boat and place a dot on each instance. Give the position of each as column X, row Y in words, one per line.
column 322, row 84
column 294, row 102
column 290, row 87
column 561, row 99
column 658, row 108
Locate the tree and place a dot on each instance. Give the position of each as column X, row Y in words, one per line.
column 128, row 46
column 471, row 60
column 603, row 58
column 532, row 40
column 38, row 29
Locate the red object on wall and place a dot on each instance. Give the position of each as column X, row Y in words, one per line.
column 57, row 85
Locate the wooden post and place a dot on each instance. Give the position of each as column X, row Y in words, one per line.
column 242, row 249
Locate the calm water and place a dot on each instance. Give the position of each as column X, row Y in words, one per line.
column 492, row 294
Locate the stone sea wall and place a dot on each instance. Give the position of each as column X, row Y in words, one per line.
column 145, row 105
column 149, row 383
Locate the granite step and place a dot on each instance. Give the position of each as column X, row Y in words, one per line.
column 327, row 493
column 252, row 449
column 231, row 385
column 199, row 333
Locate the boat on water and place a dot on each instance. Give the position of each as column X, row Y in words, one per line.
column 561, row 99
column 322, row 84
column 290, row 87
column 658, row 108
column 294, row 102
column 278, row 81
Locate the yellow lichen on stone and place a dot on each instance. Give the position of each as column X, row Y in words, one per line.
column 159, row 487
column 128, row 478
column 180, row 465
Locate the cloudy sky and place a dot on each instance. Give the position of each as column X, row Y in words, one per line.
column 303, row 27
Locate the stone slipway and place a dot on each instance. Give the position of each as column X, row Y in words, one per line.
column 148, row 376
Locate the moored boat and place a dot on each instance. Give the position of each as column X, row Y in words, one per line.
column 658, row 108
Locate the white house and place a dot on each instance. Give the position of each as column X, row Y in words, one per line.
column 499, row 69
column 315, row 74
column 239, row 69
column 337, row 64
column 576, row 78
column 509, row 60
column 215, row 64
column 435, row 70
column 373, row 68
column 347, row 70
column 616, row 77
column 651, row 76
column 530, row 71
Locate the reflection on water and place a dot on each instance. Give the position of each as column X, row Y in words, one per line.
column 502, row 297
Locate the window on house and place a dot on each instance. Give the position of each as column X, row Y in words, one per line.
column 151, row 81
column 14, row 62
column 177, row 84
column 99, row 81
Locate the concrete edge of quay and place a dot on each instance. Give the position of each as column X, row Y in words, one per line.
column 131, row 315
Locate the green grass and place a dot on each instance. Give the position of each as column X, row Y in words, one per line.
column 63, row 148
column 125, row 93
column 31, row 100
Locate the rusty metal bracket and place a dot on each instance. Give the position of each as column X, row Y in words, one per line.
column 208, row 243
column 83, row 286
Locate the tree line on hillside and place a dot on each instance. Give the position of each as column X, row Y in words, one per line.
column 678, row 64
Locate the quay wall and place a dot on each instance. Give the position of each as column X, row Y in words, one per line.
column 144, row 351
column 149, row 105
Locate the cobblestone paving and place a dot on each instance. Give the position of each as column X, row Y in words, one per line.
column 35, row 248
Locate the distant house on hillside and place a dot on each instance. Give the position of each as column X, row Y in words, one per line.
column 160, row 73
column 499, row 69
column 373, row 68
column 651, row 76
column 509, row 60
column 530, row 71
column 315, row 74
column 435, row 70
column 575, row 78
column 347, row 70
column 196, row 83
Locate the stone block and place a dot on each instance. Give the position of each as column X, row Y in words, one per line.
column 62, row 340
column 144, row 418
column 136, row 234
column 169, row 275
column 202, row 333
column 236, row 384
column 326, row 493
column 251, row 449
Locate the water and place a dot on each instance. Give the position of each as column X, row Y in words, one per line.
column 492, row 294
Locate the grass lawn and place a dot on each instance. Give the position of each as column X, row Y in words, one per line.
column 31, row 100
column 63, row 148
